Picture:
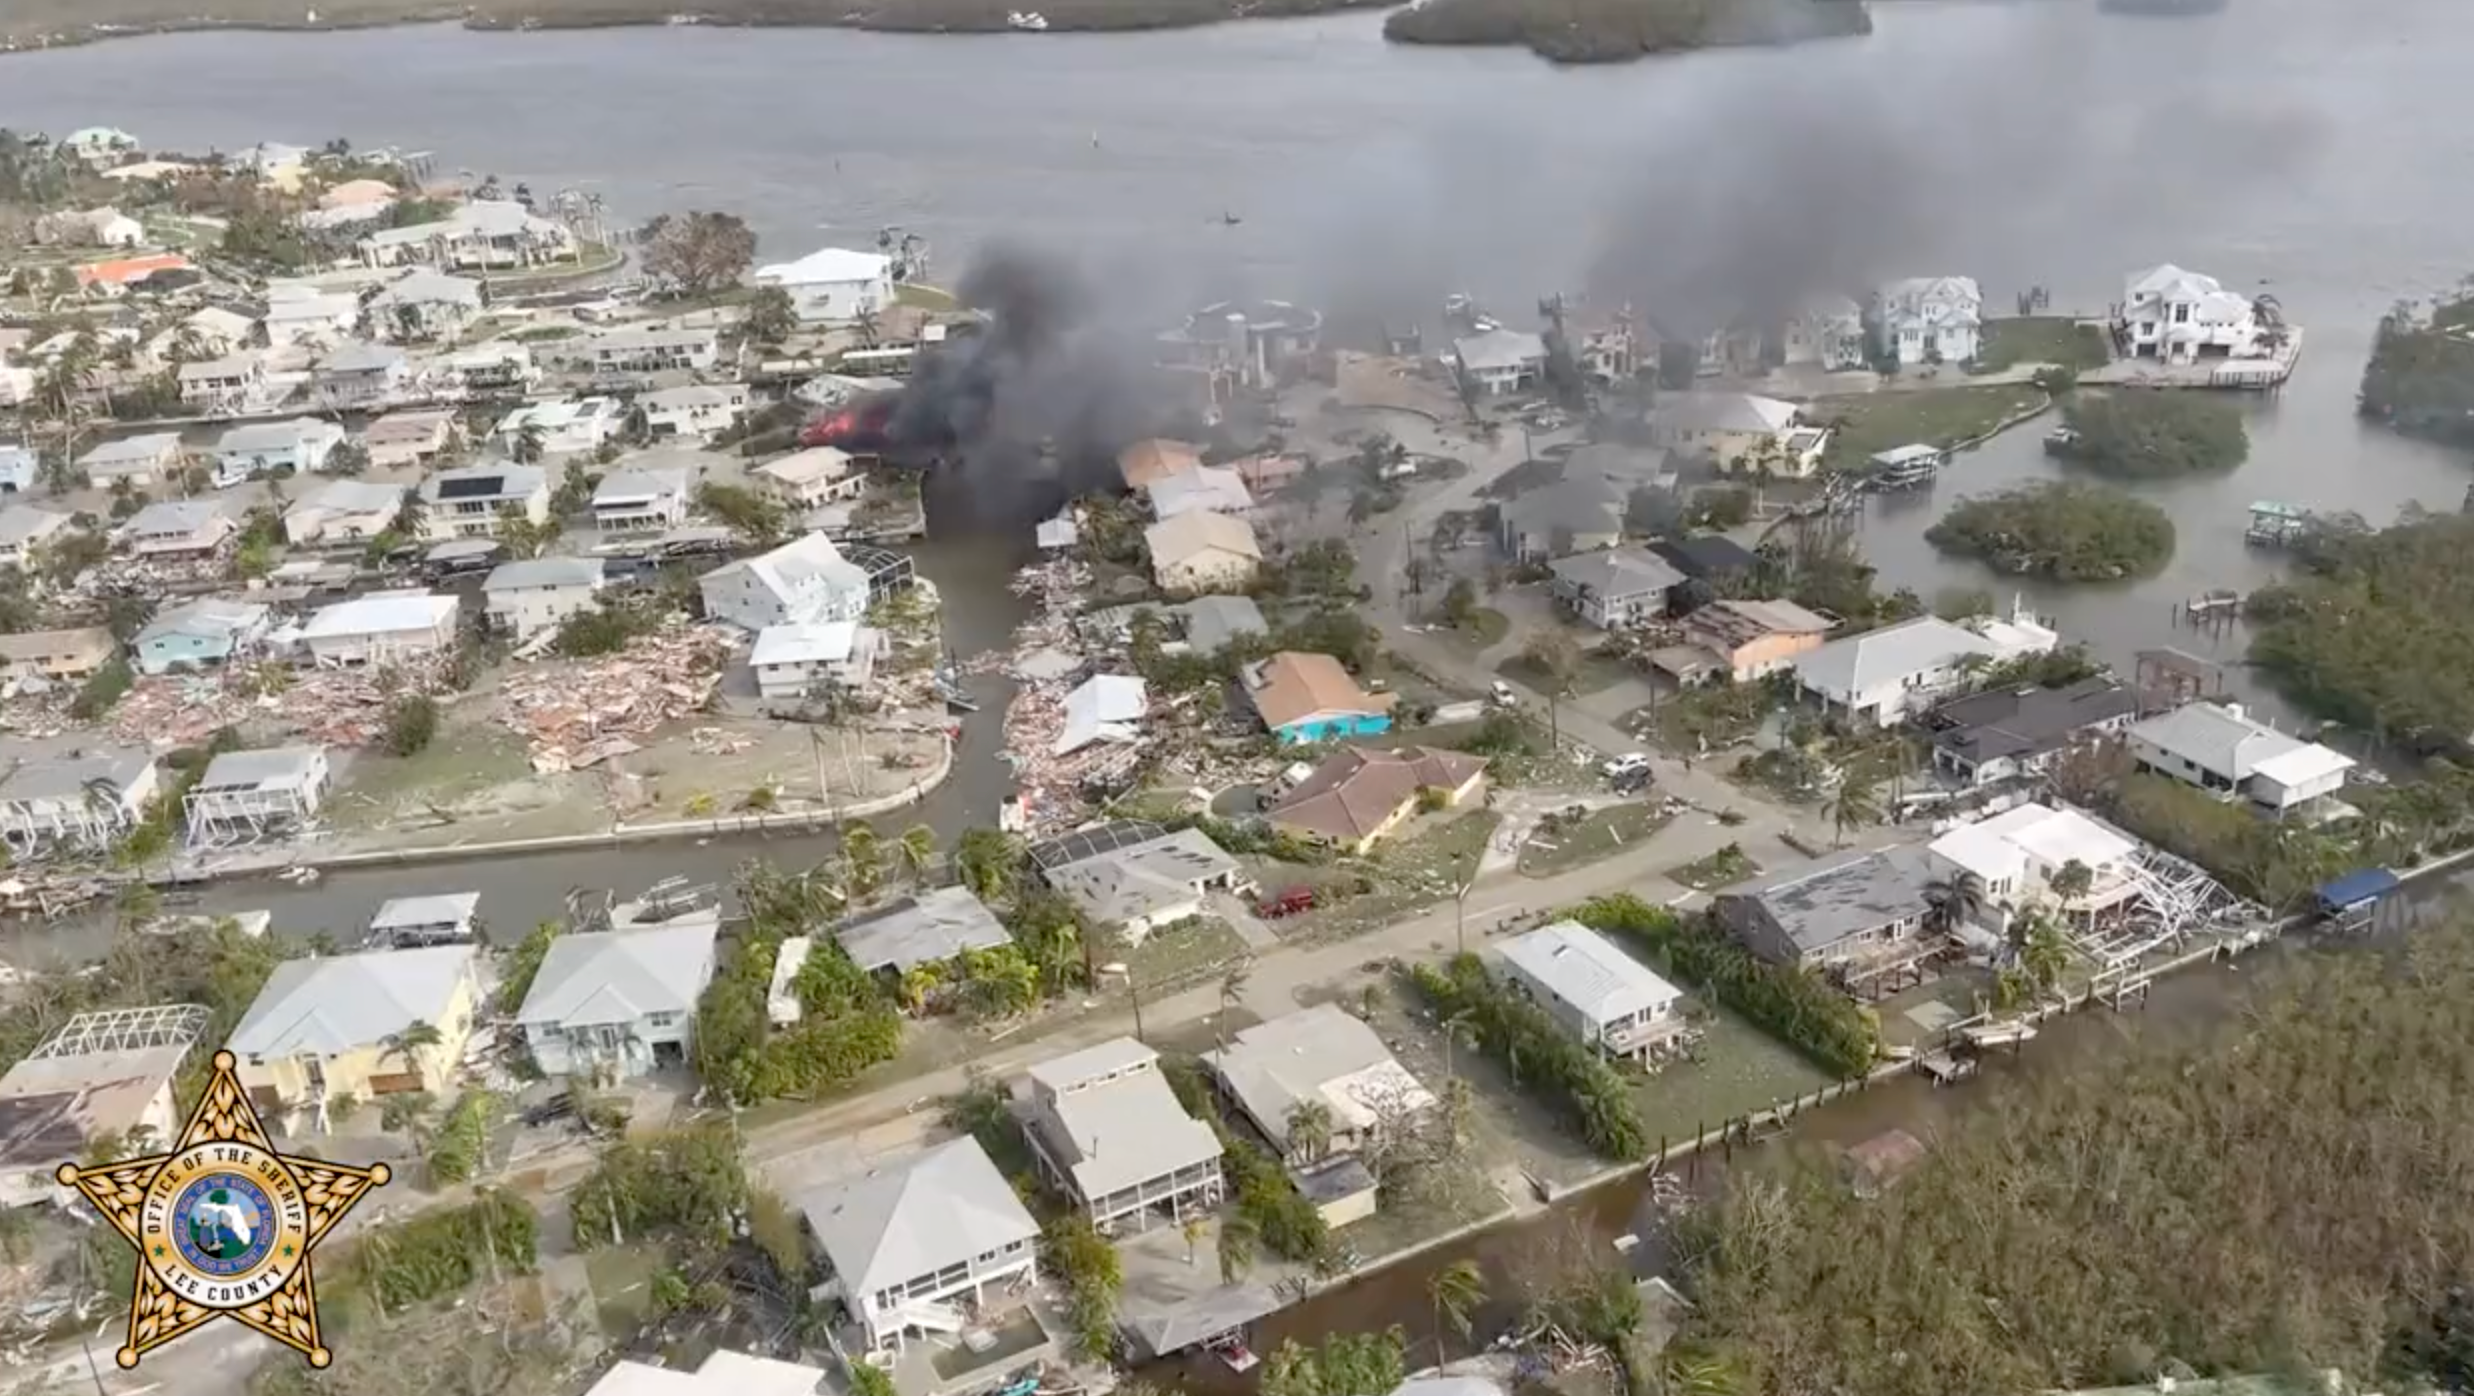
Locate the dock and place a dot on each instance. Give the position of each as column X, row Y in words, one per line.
column 2222, row 603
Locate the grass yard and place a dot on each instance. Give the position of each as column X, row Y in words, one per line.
column 2043, row 339
column 1725, row 867
column 466, row 760
column 622, row 1282
column 1409, row 875
column 1877, row 422
column 1484, row 628
column 1736, row 1070
column 1600, row 835
column 1597, row 673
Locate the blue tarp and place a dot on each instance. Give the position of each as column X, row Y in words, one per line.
column 2356, row 888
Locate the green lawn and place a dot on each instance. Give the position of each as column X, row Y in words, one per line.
column 1600, row 835
column 1876, row 422
column 924, row 296
column 2043, row 339
column 1409, row 875
column 1596, row 673
column 1728, row 865
column 1736, row 1070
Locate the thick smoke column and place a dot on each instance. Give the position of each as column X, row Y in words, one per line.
column 1032, row 408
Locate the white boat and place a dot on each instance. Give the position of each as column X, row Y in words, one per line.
column 1030, row 20
column 2002, row 1034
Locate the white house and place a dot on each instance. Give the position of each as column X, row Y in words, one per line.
column 424, row 305
column 1211, row 487
column 2011, row 858
column 816, row 476
column 83, row 800
column 539, row 593
column 653, row 350
column 619, row 1000
column 299, row 315
column 140, row 460
column 833, row 286
column 908, row 1238
column 1147, row 884
column 803, row 581
column 228, row 386
column 641, row 501
column 23, row 528
column 19, row 469
column 1599, row 994
column 697, row 412
column 1827, row 333
column 1929, row 319
column 354, row 377
column 565, row 426
column 2234, row 756
column 381, row 628
column 1740, row 431
column 247, row 794
column 466, row 503
column 791, row 661
column 179, row 528
column 299, row 446
column 343, row 511
column 486, row 233
column 211, row 329
column 1501, row 361
column 2182, row 316
column 1108, row 1131
column 1884, row 676
column 484, row 370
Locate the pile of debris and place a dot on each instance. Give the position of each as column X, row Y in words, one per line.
column 578, row 714
column 331, row 707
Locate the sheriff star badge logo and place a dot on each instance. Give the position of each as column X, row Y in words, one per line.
column 223, row 1225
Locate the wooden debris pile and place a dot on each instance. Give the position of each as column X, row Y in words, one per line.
column 578, row 713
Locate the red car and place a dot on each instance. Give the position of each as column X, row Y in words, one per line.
column 1288, row 903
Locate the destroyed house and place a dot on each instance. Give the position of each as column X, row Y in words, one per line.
column 56, row 655
column 83, row 800
column 1107, row 1130
column 203, row 634
column 928, row 928
column 102, row 1075
column 245, row 795
column 1988, row 737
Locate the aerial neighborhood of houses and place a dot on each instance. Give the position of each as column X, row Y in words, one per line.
column 1502, row 722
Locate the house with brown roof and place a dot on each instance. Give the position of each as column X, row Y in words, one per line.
column 1307, row 697
column 1359, row 795
column 1146, row 463
column 1203, row 551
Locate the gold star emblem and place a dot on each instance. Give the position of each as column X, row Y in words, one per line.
column 223, row 1225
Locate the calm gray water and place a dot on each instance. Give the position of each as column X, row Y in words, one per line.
column 2318, row 150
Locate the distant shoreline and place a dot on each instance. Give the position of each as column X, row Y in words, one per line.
column 55, row 24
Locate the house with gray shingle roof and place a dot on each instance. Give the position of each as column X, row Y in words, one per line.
column 1856, row 913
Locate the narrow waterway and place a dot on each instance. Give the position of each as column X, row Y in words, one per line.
column 1589, row 1224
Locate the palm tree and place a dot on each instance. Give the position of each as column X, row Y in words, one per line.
column 1556, row 656
column 2043, row 953
column 1232, row 984
column 914, row 853
column 1456, row 1290
column 526, row 449
column 409, row 1113
column 918, row 982
column 401, row 1045
column 1310, row 1131
column 1854, row 805
column 1193, row 1229
column 1240, row 1241
column 985, row 860
column 863, row 859
column 1686, row 1372
column 1954, row 902
column 2071, row 881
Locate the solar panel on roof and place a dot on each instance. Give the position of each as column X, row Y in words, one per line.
column 467, row 489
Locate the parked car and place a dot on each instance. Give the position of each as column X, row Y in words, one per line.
column 1286, row 903
column 1631, row 763
column 1502, row 695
